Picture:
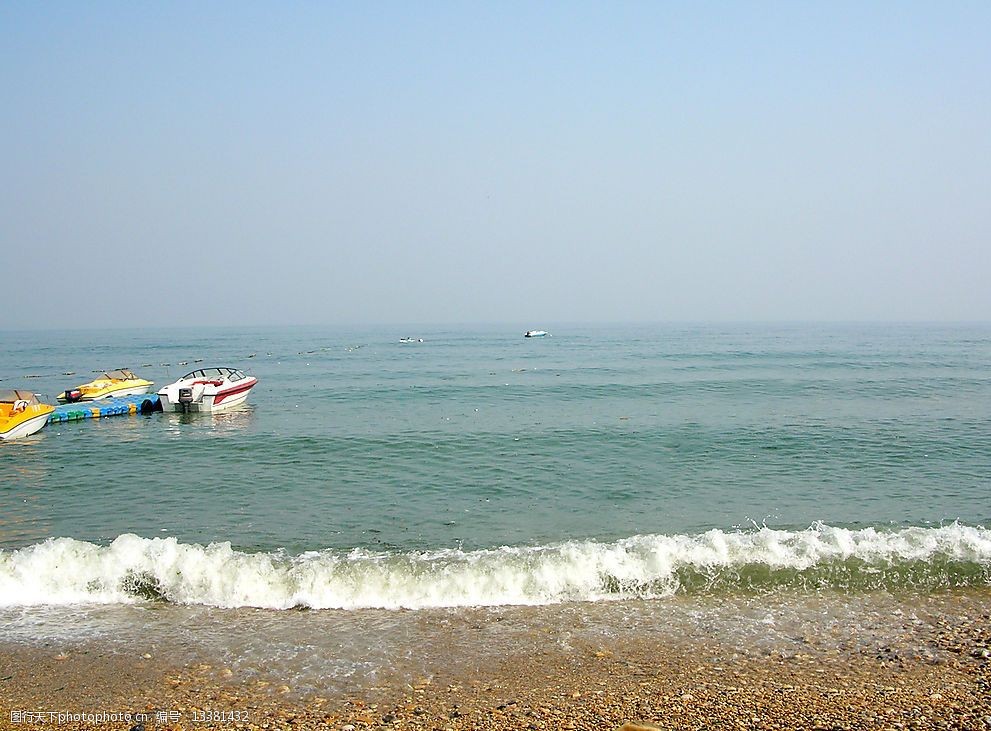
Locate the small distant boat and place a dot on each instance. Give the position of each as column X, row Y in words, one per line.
column 410, row 340
column 121, row 382
column 535, row 333
column 207, row 389
column 21, row 414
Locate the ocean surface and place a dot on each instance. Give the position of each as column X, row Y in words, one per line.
column 480, row 471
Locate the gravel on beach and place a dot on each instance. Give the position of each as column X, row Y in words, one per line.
column 647, row 682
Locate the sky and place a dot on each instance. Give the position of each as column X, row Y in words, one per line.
column 191, row 163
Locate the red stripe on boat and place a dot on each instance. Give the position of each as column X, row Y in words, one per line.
column 221, row 395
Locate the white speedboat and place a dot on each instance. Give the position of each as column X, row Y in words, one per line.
column 535, row 333
column 207, row 389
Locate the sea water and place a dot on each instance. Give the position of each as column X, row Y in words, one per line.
column 475, row 469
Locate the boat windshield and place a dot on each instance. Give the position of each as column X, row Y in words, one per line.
column 12, row 395
column 213, row 374
column 119, row 375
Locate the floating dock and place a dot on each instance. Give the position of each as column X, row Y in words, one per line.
column 142, row 403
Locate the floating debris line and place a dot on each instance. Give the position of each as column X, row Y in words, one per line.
column 345, row 348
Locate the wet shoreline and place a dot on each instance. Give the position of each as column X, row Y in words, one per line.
column 864, row 661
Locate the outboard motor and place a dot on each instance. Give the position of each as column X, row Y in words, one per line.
column 185, row 398
column 72, row 395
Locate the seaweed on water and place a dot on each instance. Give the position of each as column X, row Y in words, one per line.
column 634, row 588
column 144, row 585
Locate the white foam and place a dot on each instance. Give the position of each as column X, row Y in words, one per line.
column 63, row 571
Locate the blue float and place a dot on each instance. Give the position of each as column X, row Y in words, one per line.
column 142, row 403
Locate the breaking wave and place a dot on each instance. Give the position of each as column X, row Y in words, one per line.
column 134, row 569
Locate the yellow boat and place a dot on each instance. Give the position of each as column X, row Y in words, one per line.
column 21, row 413
column 112, row 383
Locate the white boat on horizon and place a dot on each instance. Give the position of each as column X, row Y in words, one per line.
column 535, row 334
column 207, row 389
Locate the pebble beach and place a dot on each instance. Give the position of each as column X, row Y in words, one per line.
column 924, row 669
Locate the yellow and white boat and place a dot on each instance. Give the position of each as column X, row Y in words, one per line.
column 21, row 414
column 112, row 383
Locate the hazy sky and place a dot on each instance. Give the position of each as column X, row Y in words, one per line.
column 532, row 162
